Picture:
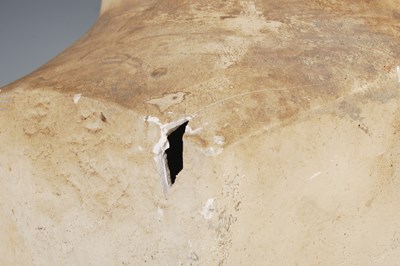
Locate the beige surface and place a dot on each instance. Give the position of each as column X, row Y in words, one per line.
column 291, row 157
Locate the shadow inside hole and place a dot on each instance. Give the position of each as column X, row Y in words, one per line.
column 175, row 151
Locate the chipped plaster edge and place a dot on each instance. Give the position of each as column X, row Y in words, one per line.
column 162, row 145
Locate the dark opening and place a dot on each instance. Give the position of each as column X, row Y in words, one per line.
column 175, row 151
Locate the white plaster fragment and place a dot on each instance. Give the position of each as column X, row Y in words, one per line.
column 160, row 214
column 219, row 140
column 140, row 148
column 154, row 120
column 77, row 97
column 208, row 209
column 211, row 151
column 315, row 175
column 398, row 73
column 192, row 132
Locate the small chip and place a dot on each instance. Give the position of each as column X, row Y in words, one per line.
column 398, row 73
column 76, row 98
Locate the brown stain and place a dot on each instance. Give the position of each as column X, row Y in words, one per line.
column 388, row 68
column 227, row 16
column 159, row 72
column 198, row 141
column 102, row 117
column 368, row 204
column 288, row 109
column 315, row 57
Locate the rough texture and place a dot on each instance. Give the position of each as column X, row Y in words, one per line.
column 291, row 157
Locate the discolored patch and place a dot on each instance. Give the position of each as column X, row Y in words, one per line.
column 168, row 100
column 159, row 72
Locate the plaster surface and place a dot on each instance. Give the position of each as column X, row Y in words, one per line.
column 290, row 155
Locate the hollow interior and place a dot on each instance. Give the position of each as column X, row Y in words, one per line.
column 175, row 151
